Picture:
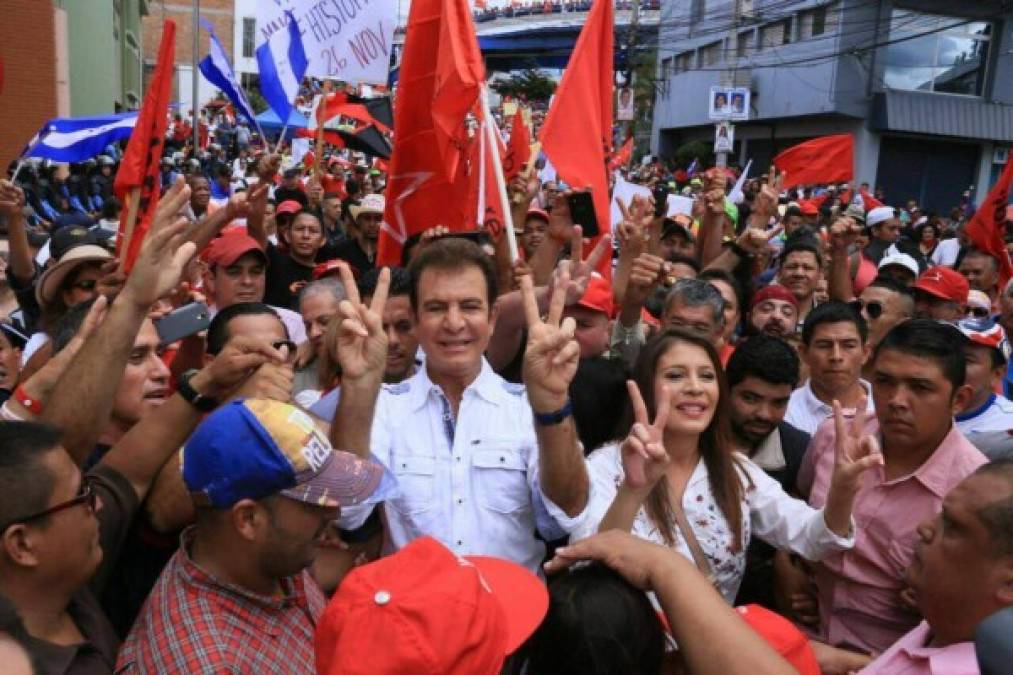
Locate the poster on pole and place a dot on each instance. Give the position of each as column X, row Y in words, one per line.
column 625, row 110
column 729, row 103
column 347, row 41
column 724, row 137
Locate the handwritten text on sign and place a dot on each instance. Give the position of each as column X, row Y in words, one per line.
column 347, row 40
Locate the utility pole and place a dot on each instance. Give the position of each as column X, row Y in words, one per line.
column 193, row 75
column 631, row 40
column 731, row 53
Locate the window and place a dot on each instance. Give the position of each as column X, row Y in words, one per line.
column 697, row 11
column 683, row 62
column 711, row 54
column 666, row 68
column 744, row 44
column 942, row 54
column 813, row 23
column 249, row 30
column 776, row 34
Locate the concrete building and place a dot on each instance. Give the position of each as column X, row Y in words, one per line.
column 66, row 58
column 924, row 87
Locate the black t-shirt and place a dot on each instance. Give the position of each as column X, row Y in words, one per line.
column 352, row 253
column 285, row 277
column 283, row 194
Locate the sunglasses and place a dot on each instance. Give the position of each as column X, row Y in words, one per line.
column 873, row 309
column 978, row 312
column 86, row 496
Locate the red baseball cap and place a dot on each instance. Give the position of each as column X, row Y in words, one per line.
column 230, row 247
column 773, row 292
column 332, row 268
column 783, row 636
column 598, row 296
column 807, row 208
column 944, row 282
column 288, row 206
column 425, row 610
column 537, row 213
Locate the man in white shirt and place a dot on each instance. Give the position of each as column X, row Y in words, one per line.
column 475, row 471
column 834, row 348
column 986, row 354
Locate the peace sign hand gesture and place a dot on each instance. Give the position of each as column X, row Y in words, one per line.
column 580, row 268
column 765, row 202
column 552, row 355
column 855, row 452
column 360, row 343
column 643, row 451
column 755, row 239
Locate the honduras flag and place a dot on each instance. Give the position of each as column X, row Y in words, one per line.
column 282, row 62
column 217, row 70
column 75, row 140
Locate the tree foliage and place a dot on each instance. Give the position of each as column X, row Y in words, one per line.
column 529, row 84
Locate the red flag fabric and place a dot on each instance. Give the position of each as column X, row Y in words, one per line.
column 868, row 201
column 484, row 191
column 140, row 165
column 577, row 134
column 621, row 157
column 987, row 228
column 828, row 159
column 441, row 76
column 519, row 151
column 338, row 103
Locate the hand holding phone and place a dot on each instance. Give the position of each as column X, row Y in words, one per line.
column 582, row 212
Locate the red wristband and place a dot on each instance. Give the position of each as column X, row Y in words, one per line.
column 34, row 405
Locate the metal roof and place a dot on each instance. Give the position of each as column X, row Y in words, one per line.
column 942, row 115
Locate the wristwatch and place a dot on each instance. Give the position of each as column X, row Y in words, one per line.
column 191, row 395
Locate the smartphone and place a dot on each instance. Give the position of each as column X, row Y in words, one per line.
column 183, row 322
column 582, row 212
column 660, row 195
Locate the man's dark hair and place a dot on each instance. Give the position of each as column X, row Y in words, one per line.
column 453, row 253
column 800, row 243
column 972, row 252
column 714, row 274
column 69, row 324
column 331, row 195
column 929, row 339
column 25, row 484
column 766, row 358
column 596, row 623
column 891, row 284
column 998, row 516
column 111, row 208
column 833, row 311
column 400, row 282
column 218, row 331
column 688, row 261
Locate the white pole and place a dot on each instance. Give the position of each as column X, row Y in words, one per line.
column 504, row 200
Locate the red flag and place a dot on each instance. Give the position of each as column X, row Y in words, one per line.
column 338, row 103
column 441, row 76
column 484, row 198
column 828, row 159
column 577, row 134
column 621, row 157
column 518, row 152
column 987, row 227
column 138, row 177
column 868, row 201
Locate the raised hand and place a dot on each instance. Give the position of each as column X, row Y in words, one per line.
column 560, row 220
column 12, row 199
column 240, row 357
column 580, row 268
column 637, row 219
column 843, row 233
column 756, row 239
column 633, row 558
column 164, row 251
column 268, row 167
column 552, row 355
column 643, row 452
column 360, row 341
column 646, row 273
column 855, row 452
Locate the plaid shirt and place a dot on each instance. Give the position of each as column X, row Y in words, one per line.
column 194, row 623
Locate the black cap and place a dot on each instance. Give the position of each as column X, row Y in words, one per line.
column 72, row 219
column 14, row 334
column 67, row 238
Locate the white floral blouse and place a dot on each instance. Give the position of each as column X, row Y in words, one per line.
column 774, row 516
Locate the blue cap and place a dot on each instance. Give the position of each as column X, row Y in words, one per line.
column 255, row 448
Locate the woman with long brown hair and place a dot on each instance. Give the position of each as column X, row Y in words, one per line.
column 677, row 481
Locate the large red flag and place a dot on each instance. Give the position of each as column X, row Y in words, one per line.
column 577, row 134
column 987, row 228
column 441, row 76
column 828, row 159
column 138, row 181
column 484, row 197
column 519, row 151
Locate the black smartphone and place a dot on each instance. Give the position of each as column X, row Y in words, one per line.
column 582, row 213
column 183, row 322
column 660, row 195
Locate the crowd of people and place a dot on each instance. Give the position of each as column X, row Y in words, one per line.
column 777, row 428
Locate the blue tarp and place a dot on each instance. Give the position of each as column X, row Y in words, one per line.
column 269, row 121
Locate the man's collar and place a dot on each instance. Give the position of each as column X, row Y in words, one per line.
column 485, row 385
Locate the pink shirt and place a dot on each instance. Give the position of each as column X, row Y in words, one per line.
column 911, row 656
column 859, row 589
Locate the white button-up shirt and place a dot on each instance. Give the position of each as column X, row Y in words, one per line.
column 806, row 412
column 470, row 482
column 767, row 511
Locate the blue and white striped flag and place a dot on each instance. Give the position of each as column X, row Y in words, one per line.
column 218, row 71
column 75, row 140
column 282, row 62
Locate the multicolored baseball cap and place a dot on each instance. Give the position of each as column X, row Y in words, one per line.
column 986, row 332
column 255, row 448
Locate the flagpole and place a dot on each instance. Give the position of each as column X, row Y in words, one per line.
column 281, row 138
column 193, row 75
column 497, row 166
column 17, row 170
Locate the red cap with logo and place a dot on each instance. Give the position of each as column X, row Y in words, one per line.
column 598, row 296
column 944, row 282
column 230, row 247
column 425, row 610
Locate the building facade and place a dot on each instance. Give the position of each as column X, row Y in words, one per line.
column 925, row 88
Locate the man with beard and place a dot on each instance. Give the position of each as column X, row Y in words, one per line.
column 241, row 569
column 359, row 250
column 773, row 311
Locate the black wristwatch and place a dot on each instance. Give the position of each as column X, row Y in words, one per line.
column 191, row 395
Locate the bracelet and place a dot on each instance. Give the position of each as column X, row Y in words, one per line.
column 552, row 418
column 34, row 405
column 739, row 251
